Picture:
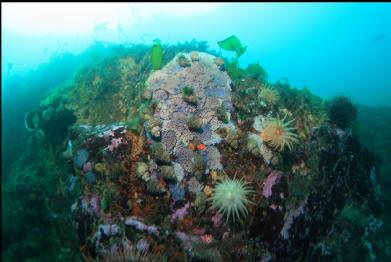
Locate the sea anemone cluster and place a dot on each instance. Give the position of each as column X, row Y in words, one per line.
column 278, row 133
column 230, row 198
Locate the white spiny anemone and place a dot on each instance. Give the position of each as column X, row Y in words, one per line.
column 230, row 198
column 127, row 252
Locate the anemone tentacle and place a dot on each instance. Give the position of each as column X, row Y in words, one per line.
column 269, row 94
column 279, row 134
column 230, row 198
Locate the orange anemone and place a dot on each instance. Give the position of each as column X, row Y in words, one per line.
column 279, row 134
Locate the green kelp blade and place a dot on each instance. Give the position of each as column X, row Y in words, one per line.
column 241, row 51
column 157, row 55
column 229, row 43
column 233, row 43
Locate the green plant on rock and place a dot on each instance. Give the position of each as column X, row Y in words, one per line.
column 354, row 214
column 157, row 55
column 256, row 72
column 183, row 61
column 188, row 91
column 133, row 123
column 234, row 71
column 189, row 95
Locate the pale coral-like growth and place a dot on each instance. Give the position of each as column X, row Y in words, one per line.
column 269, row 95
column 209, row 87
column 278, row 133
column 181, row 212
column 214, row 158
column 230, row 198
column 169, row 139
column 194, row 186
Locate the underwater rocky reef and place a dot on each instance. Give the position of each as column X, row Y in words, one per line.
column 178, row 154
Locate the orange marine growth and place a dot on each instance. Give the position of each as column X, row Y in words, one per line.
column 192, row 146
column 207, row 238
column 201, row 146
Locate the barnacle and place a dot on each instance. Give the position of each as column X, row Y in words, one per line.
column 230, row 198
column 278, row 133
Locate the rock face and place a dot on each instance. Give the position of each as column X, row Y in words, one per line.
column 346, row 169
column 155, row 186
column 187, row 93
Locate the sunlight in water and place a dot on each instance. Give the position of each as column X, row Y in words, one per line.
column 82, row 18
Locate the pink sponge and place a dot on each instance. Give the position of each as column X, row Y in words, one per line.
column 269, row 182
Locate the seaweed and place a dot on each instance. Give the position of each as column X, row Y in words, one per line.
column 157, row 55
column 256, row 72
column 232, row 43
column 234, row 71
column 342, row 112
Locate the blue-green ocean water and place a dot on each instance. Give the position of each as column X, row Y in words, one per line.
column 331, row 49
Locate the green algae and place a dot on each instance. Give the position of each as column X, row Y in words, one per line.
column 157, row 55
column 232, row 43
column 256, row 72
column 188, row 91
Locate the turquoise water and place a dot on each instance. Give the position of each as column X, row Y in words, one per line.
column 329, row 48
column 196, row 132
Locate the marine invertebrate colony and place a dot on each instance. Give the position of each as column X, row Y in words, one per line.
column 185, row 101
column 278, row 133
column 194, row 186
column 152, row 186
column 270, row 181
column 230, row 198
